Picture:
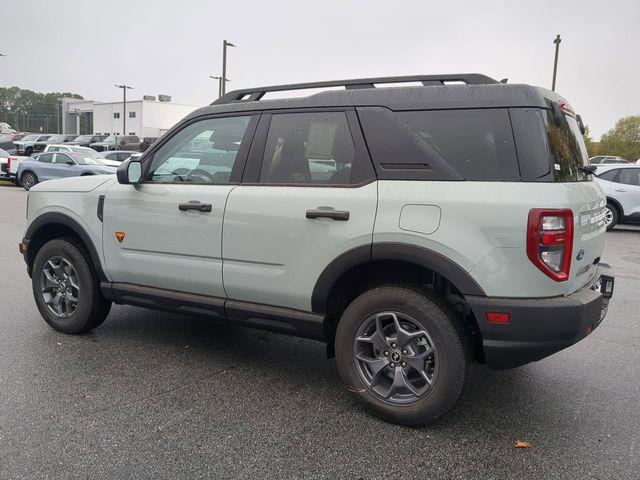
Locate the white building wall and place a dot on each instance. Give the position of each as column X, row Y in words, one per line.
column 158, row 117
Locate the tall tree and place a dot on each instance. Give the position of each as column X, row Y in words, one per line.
column 623, row 139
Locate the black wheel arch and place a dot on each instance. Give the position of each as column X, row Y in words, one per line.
column 616, row 204
column 378, row 253
column 55, row 225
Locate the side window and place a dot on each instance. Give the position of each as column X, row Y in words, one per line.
column 202, row 152
column 46, row 158
column 630, row 176
column 62, row 159
column 308, row 148
column 609, row 176
column 54, row 149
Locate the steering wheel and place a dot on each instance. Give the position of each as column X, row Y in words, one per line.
column 198, row 172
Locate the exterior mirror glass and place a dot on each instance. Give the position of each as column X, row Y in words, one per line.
column 129, row 172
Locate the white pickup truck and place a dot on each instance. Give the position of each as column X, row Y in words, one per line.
column 9, row 166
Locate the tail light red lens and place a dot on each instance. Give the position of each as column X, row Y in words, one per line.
column 9, row 164
column 550, row 241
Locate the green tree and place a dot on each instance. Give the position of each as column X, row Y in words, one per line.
column 588, row 141
column 623, row 139
column 31, row 111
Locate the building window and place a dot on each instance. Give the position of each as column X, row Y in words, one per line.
column 132, row 114
column 116, row 115
column 132, row 133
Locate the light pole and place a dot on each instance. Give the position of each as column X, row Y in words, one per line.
column 555, row 62
column 225, row 44
column 219, row 83
column 124, row 108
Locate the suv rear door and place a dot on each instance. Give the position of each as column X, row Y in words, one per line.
column 172, row 221
column 308, row 195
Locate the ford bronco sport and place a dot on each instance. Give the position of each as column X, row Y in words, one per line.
column 413, row 229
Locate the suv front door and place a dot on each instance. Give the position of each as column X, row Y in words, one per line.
column 171, row 224
column 307, row 196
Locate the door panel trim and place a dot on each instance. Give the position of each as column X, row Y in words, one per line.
column 254, row 315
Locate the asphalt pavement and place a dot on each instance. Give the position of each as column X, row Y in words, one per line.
column 154, row 395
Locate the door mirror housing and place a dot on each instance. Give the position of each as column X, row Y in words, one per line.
column 129, row 172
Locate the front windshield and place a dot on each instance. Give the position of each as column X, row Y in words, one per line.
column 110, row 139
column 87, row 152
column 30, row 138
column 56, row 139
column 83, row 138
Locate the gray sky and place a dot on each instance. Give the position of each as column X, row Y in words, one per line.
column 86, row 46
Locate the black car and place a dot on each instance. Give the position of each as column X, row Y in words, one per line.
column 7, row 144
column 86, row 140
column 53, row 140
column 117, row 142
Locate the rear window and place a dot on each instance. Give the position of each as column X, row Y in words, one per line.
column 548, row 152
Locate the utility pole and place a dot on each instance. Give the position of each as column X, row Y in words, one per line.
column 124, row 108
column 224, row 80
column 58, row 115
column 555, row 62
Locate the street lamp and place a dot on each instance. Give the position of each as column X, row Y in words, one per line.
column 555, row 62
column 219, row 83
column 225, row 44
column 124, row 108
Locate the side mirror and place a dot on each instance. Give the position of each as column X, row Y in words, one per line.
column 129, row 172
column 70, row 162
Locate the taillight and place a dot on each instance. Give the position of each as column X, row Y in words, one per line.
column 550, row 241
column 9, row 164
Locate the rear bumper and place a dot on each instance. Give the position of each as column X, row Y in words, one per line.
column 540, row 327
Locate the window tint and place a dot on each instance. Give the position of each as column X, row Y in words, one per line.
column 630, row 176
column 308, row 148
column 441, row 144
column 45, row 158
column 203, row 152
column 595, row 160
column 61, row 158
column 610, row 175
column 530, row 133
column 567, row 149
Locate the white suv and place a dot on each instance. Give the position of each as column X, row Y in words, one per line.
column 412, row 229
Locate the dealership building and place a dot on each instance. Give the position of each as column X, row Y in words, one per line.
column 149, row 117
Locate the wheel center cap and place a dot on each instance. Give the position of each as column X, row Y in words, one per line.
column 395, row 356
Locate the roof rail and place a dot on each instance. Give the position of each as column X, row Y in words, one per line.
column 254, row 94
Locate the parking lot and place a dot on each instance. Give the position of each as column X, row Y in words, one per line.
column 158, row 395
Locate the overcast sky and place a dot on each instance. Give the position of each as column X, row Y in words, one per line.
column 171, row 47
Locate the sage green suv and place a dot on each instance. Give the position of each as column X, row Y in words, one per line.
column 413, row 229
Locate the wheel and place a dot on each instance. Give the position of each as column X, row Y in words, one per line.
column 28, row 180
column 400, row 353
column 611, row 216
column 66, row 290
column 28, row 151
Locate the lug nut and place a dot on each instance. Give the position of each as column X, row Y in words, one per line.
column 404, row 352
column 393, row 345
column 404, row 364
column 392, row 365
column 386, row 353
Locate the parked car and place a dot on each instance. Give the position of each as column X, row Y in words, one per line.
column 440, row 225
column 119, row 156
column 84, row 150
column 9, row 165
column 40, row 145
column 48, row 166
column 6, row 143
column 25, row 146
column 86, row 140
column 607, row 160
column 621, row 185
column 117, row 142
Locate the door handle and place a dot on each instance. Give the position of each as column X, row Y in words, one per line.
column 619, row 189
column 195, row 205
column 342, row 215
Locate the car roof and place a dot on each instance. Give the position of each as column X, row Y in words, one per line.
column 614, row 166
column 475, row 95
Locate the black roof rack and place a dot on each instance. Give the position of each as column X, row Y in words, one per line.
column 254, row 94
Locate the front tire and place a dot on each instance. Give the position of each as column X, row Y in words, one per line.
column 66, row 289
column 611, row 216
column 399, row 352
column 28, row 180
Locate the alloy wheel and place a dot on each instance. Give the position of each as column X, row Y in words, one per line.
column 395, row 357
column 60, row 287
column 608, row 216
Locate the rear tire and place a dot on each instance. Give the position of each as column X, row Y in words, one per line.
column 611, row 215
column 28, row 180
column 394, row 374
column 66, row 289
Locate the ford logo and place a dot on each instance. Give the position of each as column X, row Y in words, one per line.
column 580, row 255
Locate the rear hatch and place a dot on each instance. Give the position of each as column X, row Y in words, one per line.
column 564, row 158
